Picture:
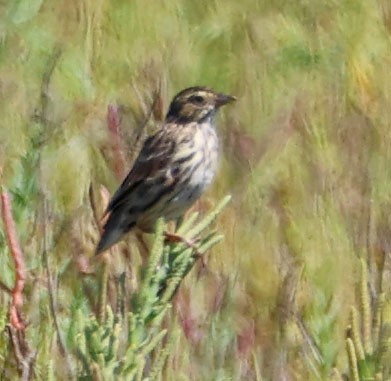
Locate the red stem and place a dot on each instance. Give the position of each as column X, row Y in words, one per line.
column 17, row 255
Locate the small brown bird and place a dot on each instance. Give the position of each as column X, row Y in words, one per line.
column 173, row 168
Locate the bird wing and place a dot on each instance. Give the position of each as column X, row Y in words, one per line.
column 146, row 183
column 153, row 158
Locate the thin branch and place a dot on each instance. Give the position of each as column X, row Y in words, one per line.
column 16, row 329
column 103, row 290
column 104, row 196
column 52, row 302
column 94, row 207
column 155, row 105
column 41, row 114
column 25, row 358
column 114, row 127
column 139, row 133
column 17, row 255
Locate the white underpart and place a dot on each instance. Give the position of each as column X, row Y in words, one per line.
column 206, row 138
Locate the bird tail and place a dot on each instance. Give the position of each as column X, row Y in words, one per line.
column 113, row 231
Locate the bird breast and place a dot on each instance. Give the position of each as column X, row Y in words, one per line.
column 200, row 156
column 197, row 160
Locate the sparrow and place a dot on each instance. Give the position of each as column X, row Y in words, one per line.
column 173, row 168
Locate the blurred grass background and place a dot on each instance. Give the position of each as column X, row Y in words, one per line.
column 306, row 158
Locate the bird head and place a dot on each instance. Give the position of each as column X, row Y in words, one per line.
column 196, row 104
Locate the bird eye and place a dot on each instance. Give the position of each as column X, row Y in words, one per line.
column 198, row 99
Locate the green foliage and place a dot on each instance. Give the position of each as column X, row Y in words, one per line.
column 305, row 156
column 368, row 344
column 98, row 346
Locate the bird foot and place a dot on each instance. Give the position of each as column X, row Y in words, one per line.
column 172, row 237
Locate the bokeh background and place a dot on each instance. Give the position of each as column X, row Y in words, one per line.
column 306, row 158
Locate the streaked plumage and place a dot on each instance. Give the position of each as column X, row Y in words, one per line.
column 173, row 168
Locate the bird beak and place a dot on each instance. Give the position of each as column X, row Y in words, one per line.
column 223, row 99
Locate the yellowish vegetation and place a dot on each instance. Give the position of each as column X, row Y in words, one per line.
column 306, row 158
